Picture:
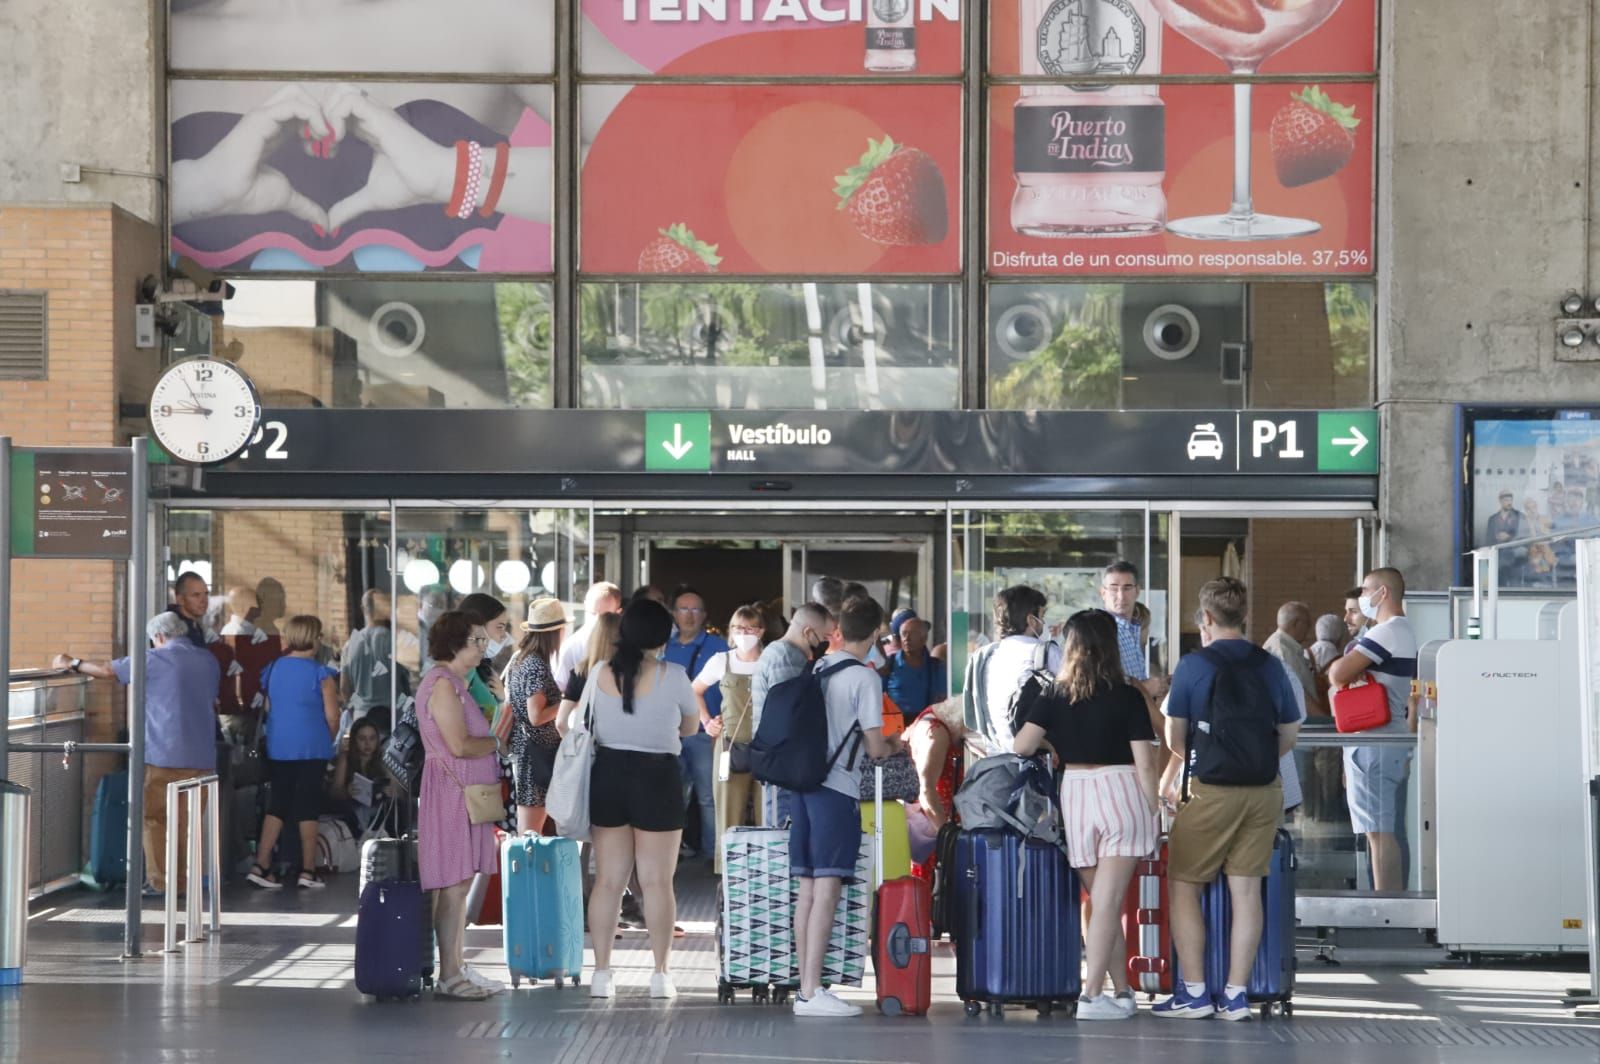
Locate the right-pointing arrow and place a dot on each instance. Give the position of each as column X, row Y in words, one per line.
column 1356, row 441
column 680, row 446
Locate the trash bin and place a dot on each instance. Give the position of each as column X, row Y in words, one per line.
column 14, row 800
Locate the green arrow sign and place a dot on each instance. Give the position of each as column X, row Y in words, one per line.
column 1347, row 441
column 677, row 442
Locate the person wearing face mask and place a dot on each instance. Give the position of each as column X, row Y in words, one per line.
column 1376, row 776
column 996, row 671
column 534, row 700
column 784, row 659
column 731, row 672
column 484, row 682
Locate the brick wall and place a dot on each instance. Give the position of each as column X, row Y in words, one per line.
column 1292, row 352
column 293, row 559
column 1312, row 561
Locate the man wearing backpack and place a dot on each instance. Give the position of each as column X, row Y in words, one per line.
column 825, row 825
column 1231, row 716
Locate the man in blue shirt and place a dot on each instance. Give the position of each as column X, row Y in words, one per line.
column 180, row 724
column 1227, row 824
column 692, row 648
column 1119, row 592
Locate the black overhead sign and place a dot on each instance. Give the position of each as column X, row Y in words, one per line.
column 944, row 443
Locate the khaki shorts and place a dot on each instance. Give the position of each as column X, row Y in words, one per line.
column 1227, row 829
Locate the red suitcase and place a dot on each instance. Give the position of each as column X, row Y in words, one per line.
column 1147, row 927
column 902, row 947
column 489, row 912
column 1360, row 706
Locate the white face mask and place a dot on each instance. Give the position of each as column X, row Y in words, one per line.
column 494, row 648
column 746, row 641
column 1368, row 610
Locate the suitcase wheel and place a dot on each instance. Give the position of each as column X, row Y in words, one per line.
column 973, row 1008
column 516, row 980
column 890, row 1006
column 996, row 1009
column 1044, row 1008
column 575, row 978
column 724, row 992
column 760, row 995
column 780, row 996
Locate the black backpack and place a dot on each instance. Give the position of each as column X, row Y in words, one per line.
column 790, row 748
column 1236, row 745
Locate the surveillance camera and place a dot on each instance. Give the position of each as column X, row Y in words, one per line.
column 1172, row 332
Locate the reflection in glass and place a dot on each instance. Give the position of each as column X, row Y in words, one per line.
column 1179, row 346
column 842, row 346
column 391, row 344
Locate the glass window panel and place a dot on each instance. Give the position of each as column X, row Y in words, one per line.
column 709, row 37
column 801, row 345
column 358, row 343
column 1184, row 346
column 366, row 36
column 370, row 195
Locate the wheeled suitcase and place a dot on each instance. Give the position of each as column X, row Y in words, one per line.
column 941, row 874
column 896, row 837
column 392, row 860
column 542, row 904
column 1017, row 917
column 108, row 831
column 389, row 922
column 1272, row 976
column 1147, row 927
column 902, row 957
column 755, row 925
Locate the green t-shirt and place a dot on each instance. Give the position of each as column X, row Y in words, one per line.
column 481, row 694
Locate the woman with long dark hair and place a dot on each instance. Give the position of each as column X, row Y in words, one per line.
column 1098, row 725
column 642, row 709
column 533, row 700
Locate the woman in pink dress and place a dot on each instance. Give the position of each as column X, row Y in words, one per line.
column 461, row 751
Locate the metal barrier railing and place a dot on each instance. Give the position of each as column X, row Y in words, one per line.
column 203, row 853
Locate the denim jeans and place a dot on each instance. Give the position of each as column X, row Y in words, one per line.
column 698, row 760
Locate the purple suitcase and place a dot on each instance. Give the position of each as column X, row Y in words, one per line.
column 388, row 925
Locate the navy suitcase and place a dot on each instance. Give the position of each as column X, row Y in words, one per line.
column 388, row 925
column 1016, row 916
column 108, row 831
column 1272, row 977
column 396, row 859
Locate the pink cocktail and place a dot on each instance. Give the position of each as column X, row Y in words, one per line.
column 1243, row 34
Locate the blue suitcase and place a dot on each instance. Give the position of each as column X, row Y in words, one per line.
column 1016, row 924
column 388, row 925
column 541, row 894
column 1272, row 977
column 108, row 831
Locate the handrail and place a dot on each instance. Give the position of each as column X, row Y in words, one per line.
column 1529, row 541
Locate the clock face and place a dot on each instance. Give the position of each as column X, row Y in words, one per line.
column 204, row 411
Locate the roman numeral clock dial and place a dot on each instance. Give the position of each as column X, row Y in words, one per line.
column 204, row 411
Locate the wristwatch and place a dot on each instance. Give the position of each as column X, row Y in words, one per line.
column 76, row 664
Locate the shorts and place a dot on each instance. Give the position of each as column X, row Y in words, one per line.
column 1375, row 782
column 1107, row 815
column 824, row 835
column 296, row 790
column 1224, row 829
column 632, row 789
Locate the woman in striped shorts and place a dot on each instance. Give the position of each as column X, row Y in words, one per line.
column 1099, row 727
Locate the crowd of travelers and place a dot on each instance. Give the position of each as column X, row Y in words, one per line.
column 672, row 700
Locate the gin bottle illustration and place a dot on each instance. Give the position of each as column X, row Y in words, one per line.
column 891, row 35
column 1089, row 158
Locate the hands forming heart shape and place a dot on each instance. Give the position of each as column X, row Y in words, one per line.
column 408, row 168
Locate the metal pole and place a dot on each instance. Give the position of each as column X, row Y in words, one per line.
column 169, row 925
column 6, row 518
column 214, row 857
column 192, row 867
column 138, row 608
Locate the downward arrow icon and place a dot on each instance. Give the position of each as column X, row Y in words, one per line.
column 680, row 446
column 1357, row 441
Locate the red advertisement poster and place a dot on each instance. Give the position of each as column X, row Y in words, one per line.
column 1146, row 179
column 771, row 37
column 1080, row 38
column 809, row 179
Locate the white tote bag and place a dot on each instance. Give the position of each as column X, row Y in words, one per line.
column 567, row 797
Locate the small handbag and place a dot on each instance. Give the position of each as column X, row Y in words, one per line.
column 485, row 801
column 1360, row 706
column 900, row 780
column 567, row 799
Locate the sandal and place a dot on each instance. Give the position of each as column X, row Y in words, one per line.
column 459, row 988
column 263, row 878
column 309, row 881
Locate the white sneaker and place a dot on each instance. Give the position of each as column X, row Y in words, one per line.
column 1127, row 1002
column 824, row 1004
column 477, row 978
column 1101, row 1007
column 600, row 984
column 661, row 986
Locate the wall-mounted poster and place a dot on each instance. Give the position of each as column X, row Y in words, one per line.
column 816, row 179
column 771, row 37
column 1138, row 179
column 1126, row 38
column 371, row 177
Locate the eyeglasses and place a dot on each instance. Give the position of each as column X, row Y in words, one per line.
column 691, row 609
column 744, row 629
column 480, row 640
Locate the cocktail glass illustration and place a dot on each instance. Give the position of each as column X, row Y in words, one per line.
column 1243, row 34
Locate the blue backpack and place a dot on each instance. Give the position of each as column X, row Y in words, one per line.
column 790, row 748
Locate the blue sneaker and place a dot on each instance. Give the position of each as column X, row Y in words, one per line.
column 1182, row 1005
column 1232, row 1008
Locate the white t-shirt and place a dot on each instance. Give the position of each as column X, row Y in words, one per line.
column 1012, row 656
column 716, row 667
column 853, row 695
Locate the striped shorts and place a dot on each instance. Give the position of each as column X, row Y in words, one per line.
column 1106, row 815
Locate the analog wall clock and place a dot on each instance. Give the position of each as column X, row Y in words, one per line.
column 204, row 411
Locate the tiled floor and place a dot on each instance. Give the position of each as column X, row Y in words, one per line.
column 277, row 985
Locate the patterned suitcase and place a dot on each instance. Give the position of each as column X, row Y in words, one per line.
column 1017, row 918
column 388, row 922
column 542, row 904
